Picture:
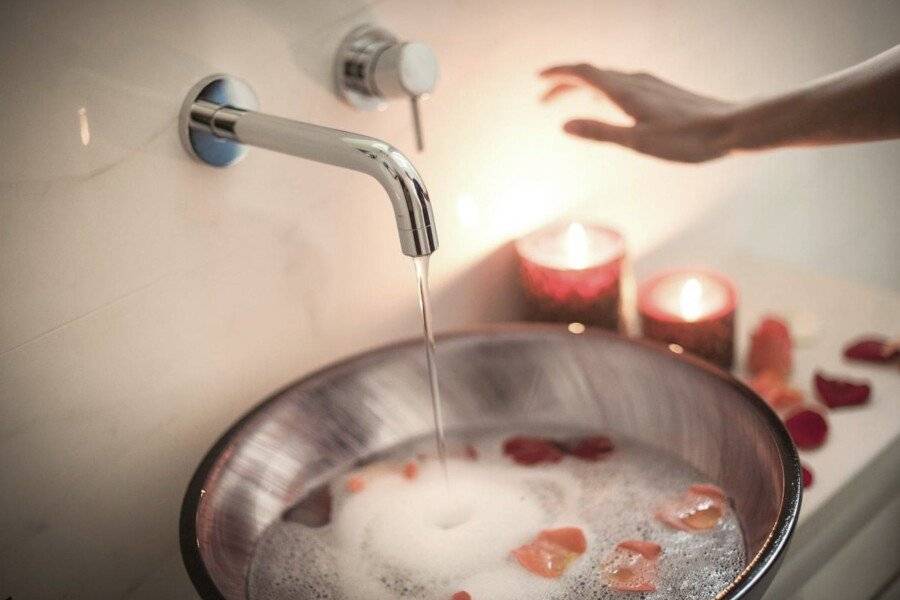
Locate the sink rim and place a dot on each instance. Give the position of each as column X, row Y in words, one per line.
column 757, row 568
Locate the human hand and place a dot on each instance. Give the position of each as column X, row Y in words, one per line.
column 669, row 122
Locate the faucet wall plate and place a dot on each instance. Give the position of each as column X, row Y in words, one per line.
column 203, row 145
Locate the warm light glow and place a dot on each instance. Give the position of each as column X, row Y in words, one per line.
column 677, row 349
column 84, row 127
column 467, row 210
column 689, row 300
column 577, row 246
column 576, row 328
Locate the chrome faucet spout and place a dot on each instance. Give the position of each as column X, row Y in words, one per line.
column 390, row 167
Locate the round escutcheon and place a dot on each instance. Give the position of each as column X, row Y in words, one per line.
column 222, row 90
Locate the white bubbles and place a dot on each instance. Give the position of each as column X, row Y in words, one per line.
column 402, row 539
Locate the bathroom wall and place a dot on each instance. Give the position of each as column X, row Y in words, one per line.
column 147, row 300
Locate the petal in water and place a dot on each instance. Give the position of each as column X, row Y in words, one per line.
column 632, row 566
column 532, row 450
column 551, row 553
column 700, row 508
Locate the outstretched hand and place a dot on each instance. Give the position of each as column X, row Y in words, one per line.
column 669, row 122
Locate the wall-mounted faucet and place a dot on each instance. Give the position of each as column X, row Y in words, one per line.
column 373, row 65
column 219, row 115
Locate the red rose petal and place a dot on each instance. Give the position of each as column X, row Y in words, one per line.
column 836, row 393
column 591, row 448
column 770, row 347
column 532, row 450
column 808, row 428
column 807, row 476
column 461, row 596
column 878, row 350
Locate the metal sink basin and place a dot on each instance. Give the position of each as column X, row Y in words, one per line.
column 503, row 376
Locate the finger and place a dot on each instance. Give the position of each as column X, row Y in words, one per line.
column 600, row 131
column 615, row 85
column 558, row 90
column 574, row 70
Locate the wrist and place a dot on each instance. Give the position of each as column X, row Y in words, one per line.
column 730, row 130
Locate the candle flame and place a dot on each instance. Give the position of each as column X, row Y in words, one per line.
column 689, row 299
column 577, row 246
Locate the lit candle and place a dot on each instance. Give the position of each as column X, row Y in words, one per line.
column 571, row 273
column 693, row 309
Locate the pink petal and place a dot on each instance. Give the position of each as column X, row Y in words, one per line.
column 770, row 347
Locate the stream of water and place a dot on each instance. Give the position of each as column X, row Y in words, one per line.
column 421, row 265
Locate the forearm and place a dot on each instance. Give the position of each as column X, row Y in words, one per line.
column 856, row 105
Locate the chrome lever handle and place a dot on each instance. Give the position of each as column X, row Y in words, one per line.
column 417, row 123
column 372, row 66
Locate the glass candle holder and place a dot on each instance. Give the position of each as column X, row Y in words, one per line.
column 571, row 272
column 694, row 309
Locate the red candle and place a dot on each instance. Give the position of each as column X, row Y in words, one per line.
column 571, row 273
column 692, row 308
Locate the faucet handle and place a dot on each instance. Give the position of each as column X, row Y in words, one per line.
column 409, row 69
column 373, row 65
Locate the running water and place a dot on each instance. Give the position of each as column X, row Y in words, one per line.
column 421, row 264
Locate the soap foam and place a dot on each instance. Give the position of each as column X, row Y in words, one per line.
column 392, row 540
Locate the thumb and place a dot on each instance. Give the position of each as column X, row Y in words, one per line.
column 600, row 131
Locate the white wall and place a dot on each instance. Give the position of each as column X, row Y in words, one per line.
column 146, row 300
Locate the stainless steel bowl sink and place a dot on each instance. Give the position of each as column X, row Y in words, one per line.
column 503, row 376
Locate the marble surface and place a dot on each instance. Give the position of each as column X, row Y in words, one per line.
column 146, row 301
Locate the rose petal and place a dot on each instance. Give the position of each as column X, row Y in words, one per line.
column 807, row 476
column 699, row 508
column 356, row 484
column 632, row 567
column 649, row 550
column 770, row 347
column 836, row 393
column 471, row 452
column 876, row 349
column 767, row 382
column 808, row 428
column 570, row 538
column 461, row 596
column 532, row 450
column 551, row 553
column 772, row 388
column 410, row 470
column 591, row 448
